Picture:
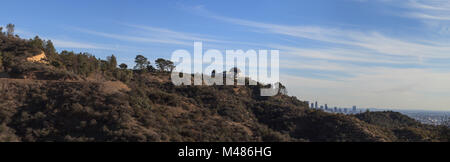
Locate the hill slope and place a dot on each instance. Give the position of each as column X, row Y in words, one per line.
column 77, row 97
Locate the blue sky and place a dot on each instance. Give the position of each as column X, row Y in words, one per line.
column 369, row 53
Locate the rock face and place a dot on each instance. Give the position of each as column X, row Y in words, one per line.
column 40, row 58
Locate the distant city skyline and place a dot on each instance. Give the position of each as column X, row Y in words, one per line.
column 354, row 108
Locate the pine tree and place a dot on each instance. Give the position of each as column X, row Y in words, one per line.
column 1, row 62
column 164, row 65
column 10, row 29
column 123, row 66
column 141, row 62
column 112, row 62
column 37, row 43
column 50, row 50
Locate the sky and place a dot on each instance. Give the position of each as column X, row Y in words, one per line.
column 369, row 53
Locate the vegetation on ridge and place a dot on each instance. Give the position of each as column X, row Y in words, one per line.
column 78, row 97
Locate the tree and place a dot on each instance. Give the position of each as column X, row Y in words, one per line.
column 124, row 74
column 141, row 62
column 213, row 73
column 282, row 89
column 104, row 66
column 7, row 60
column 37, row 43
column 10, row 29
column 164, row 65
column 49, row 49
column 1, row 62
column 112, row 62
column 123, row 66
column 150, row 68
column 235, row 71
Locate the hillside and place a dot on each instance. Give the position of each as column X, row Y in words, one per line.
column 78, row 97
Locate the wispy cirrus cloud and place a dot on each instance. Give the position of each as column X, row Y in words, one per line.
column 80, row 45
column 151, row 34
column 433, row 13
column 174, row 35
column 343, row 54
column 361, row 67
column 383, row 87
column 429, row 9
column 130, row 38
column 370, row 40
column 64, row 43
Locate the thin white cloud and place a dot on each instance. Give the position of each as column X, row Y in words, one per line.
column 344, row 54
column 24, row 33
column 429, row 9
column 327, row 66
column 392, row 83
column 162, row 32
column 63, row 43
column 433, row 13
column 81, row 45
column 374, row 41
column 150, row 34
column 132, row 38
column 436, row 5
column 382, row 87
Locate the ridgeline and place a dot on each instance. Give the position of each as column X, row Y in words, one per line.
column 67, row 96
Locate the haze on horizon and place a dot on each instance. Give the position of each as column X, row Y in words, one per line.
column 373, row 54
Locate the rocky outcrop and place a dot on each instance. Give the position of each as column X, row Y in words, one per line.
column 40, row 58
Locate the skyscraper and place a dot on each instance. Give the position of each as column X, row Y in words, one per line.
column 326, row 106
column 354, row 108
column 317, row 106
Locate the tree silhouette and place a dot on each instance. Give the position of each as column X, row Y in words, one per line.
column 10, row 29
column 1, row 61
column 123, row 66
column 213, row 73
column 49, row 49
column 164, row 65
column 141, row 62
column 112, row 62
